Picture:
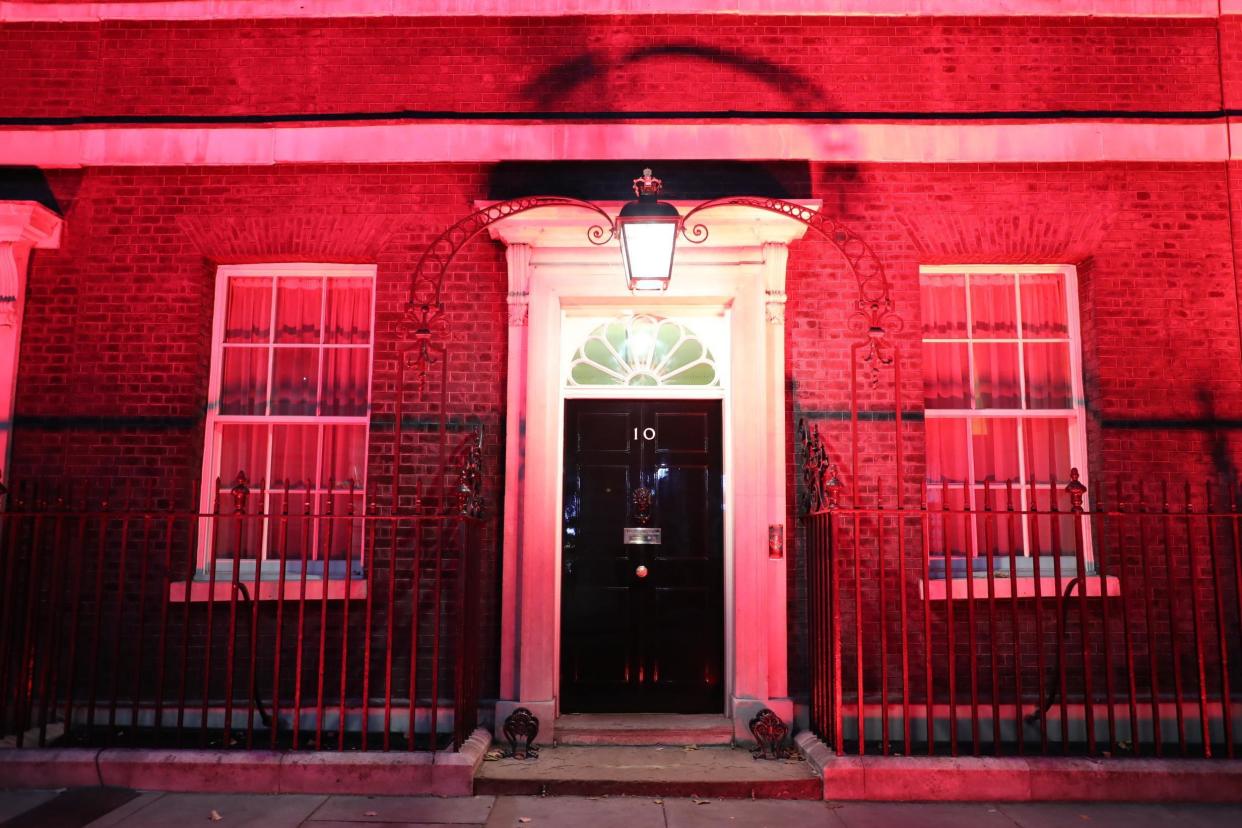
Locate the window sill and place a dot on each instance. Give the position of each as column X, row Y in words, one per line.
column 1022, row 587
column 196, row 591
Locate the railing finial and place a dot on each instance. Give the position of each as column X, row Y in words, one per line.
column 1075, row 489
column 240, row 492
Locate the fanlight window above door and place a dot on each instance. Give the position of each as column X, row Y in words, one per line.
column 642, row 350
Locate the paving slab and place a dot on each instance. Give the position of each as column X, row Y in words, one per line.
column 576, row 812
column 1120, row 815
column 759, row 813
column 73, row 807
column 924, row 815
column 334, row 824
column 472, row 810
column 13, row 803
column 236, row 810
column 120, row 815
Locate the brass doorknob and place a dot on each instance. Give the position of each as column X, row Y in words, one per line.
column 641, row 571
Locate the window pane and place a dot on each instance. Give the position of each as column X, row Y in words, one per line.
column 995, row 444
column 1048, row 375
column 295, row 377
column 996, row 375
column 1047, row 450
column 1043, row 306
column 340, row 536
column 1000, row 531
column 946, row 451
column 249, row 315
column 243, row 448
column 298, row 309
column 345, row 382
column 944, row 307
column 947, row 531
column 243, row 381
column 1047, row 466
column 993, row 306
column 289, row 532
column 945, row 371
column 293, row 455
column 349, row 311
column 344, row 457
column 587, row 374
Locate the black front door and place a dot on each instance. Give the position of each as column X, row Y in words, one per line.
column 642, row 623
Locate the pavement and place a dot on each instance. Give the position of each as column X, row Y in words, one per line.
column 106, row 808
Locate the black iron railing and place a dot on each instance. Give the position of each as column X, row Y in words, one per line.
column 934, row 630
column 269, row 621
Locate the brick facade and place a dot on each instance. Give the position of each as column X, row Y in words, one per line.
column 607, row 65
column 116, row 343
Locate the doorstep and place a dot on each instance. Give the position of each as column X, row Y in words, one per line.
column 1021, row 779
column 637, row 729
column 444, row 773
column 717, row 772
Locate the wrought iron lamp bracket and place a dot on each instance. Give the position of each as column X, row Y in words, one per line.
column 821, row 481
column 425, row 309
column 425, row 312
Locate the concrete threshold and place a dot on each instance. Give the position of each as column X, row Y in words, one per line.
column 639, row 729
column 444, row 773
column 718, row 772
column 1020, row 779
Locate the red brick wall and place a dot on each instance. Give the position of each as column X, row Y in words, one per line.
column 1158, row 305
column 607, row 64
column 116, row 346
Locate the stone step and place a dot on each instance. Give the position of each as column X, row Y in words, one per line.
column 589, row 729
column 704, row 772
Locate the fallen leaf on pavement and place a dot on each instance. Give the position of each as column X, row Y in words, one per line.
column 215, row 816
column 523, row 819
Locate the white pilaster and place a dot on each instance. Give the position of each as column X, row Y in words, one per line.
column 517, row 256
column 775, row 259
column 24, row 226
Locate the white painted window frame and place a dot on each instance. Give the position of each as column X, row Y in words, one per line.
column 215, row 420
column 1076, row 414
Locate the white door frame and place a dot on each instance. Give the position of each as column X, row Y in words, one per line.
column 739, row 272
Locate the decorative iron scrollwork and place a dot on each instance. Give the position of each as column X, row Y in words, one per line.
column 820, row 481
column 425, row 313
column 522, row 725
column 642, row 498
column 470, row 488
column 425, row 309
column 769, row 732
column 874, row 316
